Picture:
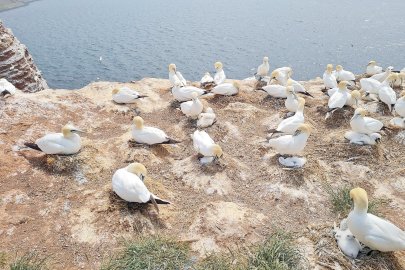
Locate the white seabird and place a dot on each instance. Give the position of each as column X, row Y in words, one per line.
column 362, row 124
column 329, row 79
column 275, row 90
column 149, row 135
column 339, row 98
column 219, row 76
column 374, row 232
column 206, row 146
column 185, row 93
column 363, row 139
column 386, row 94
column 193, row 107
column 347, row 243
column 6, row 88
column 226, row 89
column 125, row 95
column 128, row 184
column 372, row 68
column 206, row 119
column 175, row 77
column 291, row 124
column 400, row 105
column 206, row 80
column 298, row 88
column 67, row 142
column 382, row 76
column 291, row 103
column 292, row 144
column 344, row 75
column 263, row 69
column 281, row 76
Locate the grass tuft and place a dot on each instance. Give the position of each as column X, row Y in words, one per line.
column 220, row 261
column 278, row 252
column 151, row 253
column 30, row 261
column 342, row 204
column 3, row 260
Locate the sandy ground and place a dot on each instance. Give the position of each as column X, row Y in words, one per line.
column 63, row 207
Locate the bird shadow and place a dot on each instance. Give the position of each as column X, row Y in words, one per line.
column 53, row 164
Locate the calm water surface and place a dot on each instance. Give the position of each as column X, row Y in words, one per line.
column 139, row 39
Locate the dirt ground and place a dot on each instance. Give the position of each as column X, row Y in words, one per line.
column 64, row 208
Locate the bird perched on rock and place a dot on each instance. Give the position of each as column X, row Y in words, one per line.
column 206, row 80
column 363, row 139
column 338, row 99
column 175, row 76
column 219, row 76
column 292, row 144
column 185, row 93
column 329, row 78
column 206, row 147
column 206, row 119
column 383, row 75
column 365, row 125
column 6, row 88
column 386, row 94
column 263, row 69
column 347, row 243
column 344, row 75
column 67, row 142
column 372, row 231
column 298, row 88
column 128, row 184
column 291, row 103
column 291, row 124
column 193, row 107
column 125, row 95
column 372, row 68
column 226, row 89
column 275, row 90
column 400, row 105
column 149, row 135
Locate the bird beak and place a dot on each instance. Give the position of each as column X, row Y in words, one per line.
column 142, row 177
column 78, row 131
column 378, row 140
column 297, row 132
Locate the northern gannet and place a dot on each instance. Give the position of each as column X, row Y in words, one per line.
column 125, row 95
column 291, row 103
column 400, row 105
column 353, row 99
column 219, row 76
column 382, row 76
column 66, row 143
column 206, row 119
column 347, row 243
column 329, row 79
column 372, row 231
column 372, row 68
column 128, row 184
column 386, row 94
column 206, row 146
column 362, row 124
column 291, row 124
column 193, row 107
column 280, row 77
column 292, row 144
column 175, row 76
column 6, row 88
column 339, row 98
column 344, row 75
column 149, row 135
column 185, row 93
column 226, row 89
column 263, row 69
column 206, row 80
column 370, row 85
column 363, row 139
column 275, row 90
column 298, row 88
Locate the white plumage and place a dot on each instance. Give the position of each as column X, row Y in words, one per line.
column 362, row 139
column 206, row 119
column 388, row 96
column 370, row 85
column 185, row 93
column 373, row 69
column 362, row 124
column 6, row 87
column 383, row 75
column 275, row 90
column 290, row 124
column 125, row 95
column 344, row 75
column 264, row 68
column 206, row 79
column 205, row 146
column 193, row 107
column 130, row 187
column 219, row 76
column 400, row 105
column 291, row 103
column 372, row 231
column 347, row 243
column 148, row 135
column 329, row 79
column 339, row 98
column 291, row 144
column 175, row 77
column 226, row 89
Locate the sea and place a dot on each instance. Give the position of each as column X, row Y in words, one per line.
column 75, row 42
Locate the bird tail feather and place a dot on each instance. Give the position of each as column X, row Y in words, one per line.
column 32, row 146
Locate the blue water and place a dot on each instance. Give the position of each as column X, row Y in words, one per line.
column 139, row 39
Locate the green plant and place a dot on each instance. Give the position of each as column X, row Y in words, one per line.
column 30, row 261
column 151, row 253
column 278, row 252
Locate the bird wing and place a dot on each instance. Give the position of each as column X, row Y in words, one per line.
column 373, row 124
column 290, row 124
column 206, row 138
column 387, row 95
column 337, row 100
column 370, row 85
column 181, row 78
column 384, row 230
column 129, row 187
column 281, row 143
column 275, row 90
column 186, row 106
column 53, row 143
column 151, row 135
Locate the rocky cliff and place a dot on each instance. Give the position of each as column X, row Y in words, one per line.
column 17, row 65
column 64, row 208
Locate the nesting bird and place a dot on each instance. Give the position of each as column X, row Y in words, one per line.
column 149, row 135
column 339, row 98
column 329, row 78
column 6, row 88
column 219, row 76
column 365, row 125
column 298, row 88
column 281, row 76
column 347, row 243
column 128, row 184
column 125, row 95
column 344, row 75
column 291, row 103
column 193, row 107
column 67, row 142
column 208, row 150
column 372, row 68
column 275, row 90
column 206, row 119
column 372, row 231
column 362, row 139
column 400, row 105
column 175, row 77
column 263, row 69
column 226, row 89
column 206, row 80
column 291, row 124
column 383, row 75
column 292, row 144
column 386, row 94
column 182, row 94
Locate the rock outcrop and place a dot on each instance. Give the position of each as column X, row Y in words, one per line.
column 17, row 65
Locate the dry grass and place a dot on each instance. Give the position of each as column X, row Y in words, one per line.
column 30, row 261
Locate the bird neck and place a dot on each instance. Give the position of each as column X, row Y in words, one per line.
column 360, row 209
column 138, row 125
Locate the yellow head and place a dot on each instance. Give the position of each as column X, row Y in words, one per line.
column 172, row 67
column 236, row 85
column 402, row 95
column 360, row 111
column 115, row 91
column 69, row 129
column 218, row 65
column 304, row 128
column 392, row 77
column 217, row 151
column 339, row 68
column 274, row 74
column 372, row 63
column 265, row 59
column 342, row 85
column 138, row 169
column 360, row 198
column 138, row 121
column 329, row 67
column 355, row 94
